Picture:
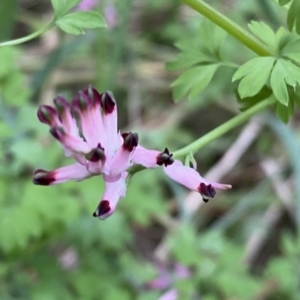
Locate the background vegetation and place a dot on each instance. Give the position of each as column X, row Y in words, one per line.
column 241, row 245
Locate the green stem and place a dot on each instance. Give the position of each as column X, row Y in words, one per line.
column 225, row 127
column 28, row 37
column 229, row 26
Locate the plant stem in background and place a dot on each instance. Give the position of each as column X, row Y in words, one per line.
column 229, row 26
column 28, row 37
column 224, row 128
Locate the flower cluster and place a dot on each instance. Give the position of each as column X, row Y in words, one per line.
column 87, row 130
column 167, row 278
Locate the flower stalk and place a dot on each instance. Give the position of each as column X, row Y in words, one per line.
column 28, row 37
column 224, row 128
column 229, row 26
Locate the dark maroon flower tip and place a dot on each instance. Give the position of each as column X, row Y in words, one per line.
column 165, row 158
column 61, row 104
column 207, row 191
column 81, row 101
column 107, row 103
column 103, row 208
column 57, row 132
column 93, row 94
column 42, row 177
column 47, row 114
column 131, row 140
column 97, row 154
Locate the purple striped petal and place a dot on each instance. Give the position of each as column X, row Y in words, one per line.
column 122, row 159
column 193, row 181
column 64, row 109
column 96, row 160
column 72, row 172
column 110, row 121
column 82, row 104
column 71, row 142
column 151, row 158
column 112, row 194
column 48, row 115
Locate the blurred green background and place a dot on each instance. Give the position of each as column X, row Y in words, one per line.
column 241, row 245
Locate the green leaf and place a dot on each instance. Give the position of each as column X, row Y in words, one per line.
column 284, row 112
column 255, row 74
column 153, row 204
column 263, row 32
column 195, row 51
column 247, row 102
column 70, row 28
column 7, row 58
column 193, row 81
column 188, row 59
column 8, row 10
column 213, row 36
column 294, row 95
column 61, row 7
column 278, row 84
column 74, row 23
column 5, row 130
column 284, row 72
column 283, row 2
column 293, row 16
column 284, row 38
column 291, row 51
column 183, row 245
column 13, row 89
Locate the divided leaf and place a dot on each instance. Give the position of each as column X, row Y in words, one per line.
column 284, row 112
column 284, row 72
column 61, row 7
column 202, row 55
column 264, row 33
column 193, row 81
column 248, row 102
column 189, row 58
column 292, row 51
column 74, row 23
column 293, row 16
column 283, row 2
column 213, row 36
column 255, row 74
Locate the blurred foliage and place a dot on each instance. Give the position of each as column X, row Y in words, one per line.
column 50, row 245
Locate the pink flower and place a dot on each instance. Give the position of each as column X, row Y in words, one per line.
column 178, row 172
column 87, row 4
column 111, row 16
column 87, row 130
column 110, row 13
column 166, row 278
column 171, row 294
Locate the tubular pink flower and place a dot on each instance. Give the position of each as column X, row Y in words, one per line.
column 111, row 16
column 69, row 141
column 64, row 110
column 87, row 4
column 87, row 129
column 93, row 140
column 166, row 278
column 171, row 294
column 110, row 121
column 72, row 172
column 122, row 159
column 193, row 180
column 48, row 115
column 177, row 171
column 152, row 158
column 112, row 194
